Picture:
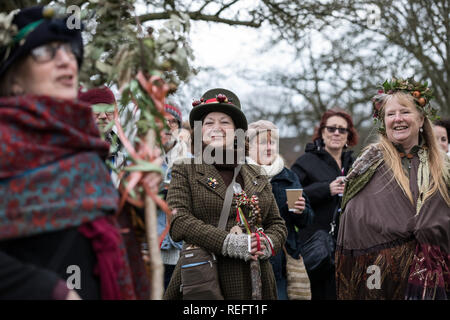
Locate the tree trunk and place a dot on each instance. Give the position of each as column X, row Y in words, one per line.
column 156, row 265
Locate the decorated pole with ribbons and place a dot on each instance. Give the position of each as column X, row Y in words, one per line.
column 252, row 225
column 146, row 159
column 146, row 70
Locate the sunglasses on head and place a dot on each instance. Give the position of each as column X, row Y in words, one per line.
column 333, row 129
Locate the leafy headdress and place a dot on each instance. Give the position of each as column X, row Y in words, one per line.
column 421, row 93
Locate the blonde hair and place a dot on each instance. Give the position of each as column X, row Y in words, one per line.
column 439, row 167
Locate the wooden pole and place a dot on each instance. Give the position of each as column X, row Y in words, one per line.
column 255, row 276
column 156, row 265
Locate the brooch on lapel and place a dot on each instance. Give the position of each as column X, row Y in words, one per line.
column 212, row 182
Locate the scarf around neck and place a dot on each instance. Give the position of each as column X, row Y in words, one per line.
column 52, row 175
column 270, row 170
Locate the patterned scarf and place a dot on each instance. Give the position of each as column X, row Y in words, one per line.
column 52, row 177
column 51, row 173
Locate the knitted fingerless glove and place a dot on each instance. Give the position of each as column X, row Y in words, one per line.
column 236, row 246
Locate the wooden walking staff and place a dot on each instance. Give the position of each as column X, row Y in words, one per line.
column 255, row 276
column 255, row 267
column 251, row 226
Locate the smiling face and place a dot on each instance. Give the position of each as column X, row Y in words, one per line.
column 218, row 130
column 441, row 137
column 335, row 140
column 57, row 77
column 403, row 122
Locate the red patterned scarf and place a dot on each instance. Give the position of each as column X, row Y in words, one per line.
column 52, row 177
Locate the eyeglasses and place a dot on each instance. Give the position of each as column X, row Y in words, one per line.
column 333, row 129
column 48, row 51
column 172, row 123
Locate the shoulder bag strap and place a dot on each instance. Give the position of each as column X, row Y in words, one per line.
column 227, row 202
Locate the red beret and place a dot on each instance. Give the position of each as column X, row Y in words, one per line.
column 97, row 95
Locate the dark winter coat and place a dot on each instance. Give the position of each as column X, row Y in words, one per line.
column 316, row 169
column 31, row 267
column 286, row 179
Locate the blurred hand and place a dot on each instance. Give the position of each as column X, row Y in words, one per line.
column 300, row 205
column 337, row 186
column 254, row 249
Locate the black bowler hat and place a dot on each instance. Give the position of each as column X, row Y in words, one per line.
column 218, row 100
column 36, row 26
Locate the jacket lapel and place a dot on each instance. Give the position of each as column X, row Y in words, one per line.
column 254, row 181
column 205, row 171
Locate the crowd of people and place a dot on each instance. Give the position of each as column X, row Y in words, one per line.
column 387, row 209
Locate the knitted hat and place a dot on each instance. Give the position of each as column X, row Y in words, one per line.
column 97, row 95
column 175, row 112
column 218, row 100
column 33, row 27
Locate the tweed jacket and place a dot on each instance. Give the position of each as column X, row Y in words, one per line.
column 198, row 210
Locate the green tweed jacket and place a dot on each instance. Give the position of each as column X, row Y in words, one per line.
column 198, row 210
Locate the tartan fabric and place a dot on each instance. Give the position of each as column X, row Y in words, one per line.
column 198, row 210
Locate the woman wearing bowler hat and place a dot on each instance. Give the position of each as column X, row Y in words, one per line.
column 197, row 192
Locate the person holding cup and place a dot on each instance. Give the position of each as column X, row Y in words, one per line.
column 263, row 151
column 320, row 170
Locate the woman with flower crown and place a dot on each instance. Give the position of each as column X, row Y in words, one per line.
column 394, row 236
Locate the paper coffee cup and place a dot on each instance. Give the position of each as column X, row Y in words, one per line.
column 292, row 196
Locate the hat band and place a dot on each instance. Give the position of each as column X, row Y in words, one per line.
column 26, row 30
column 214, row 100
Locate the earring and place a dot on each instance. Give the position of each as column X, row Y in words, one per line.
column 421, row 129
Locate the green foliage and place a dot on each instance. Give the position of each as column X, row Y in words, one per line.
column 119, row 46
column 417, row 89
